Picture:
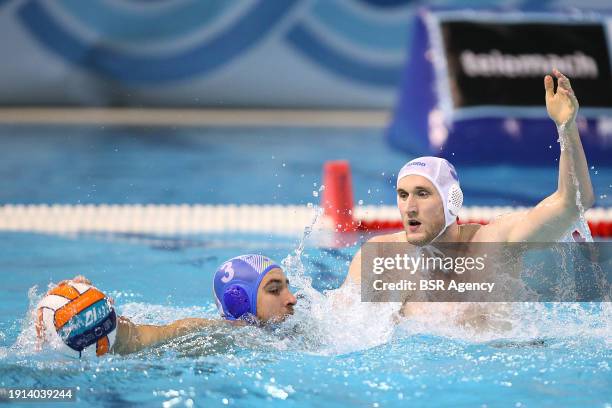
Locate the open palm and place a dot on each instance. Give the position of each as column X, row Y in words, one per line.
column 562, row 106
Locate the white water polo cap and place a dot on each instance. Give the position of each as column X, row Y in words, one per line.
column 443, row 176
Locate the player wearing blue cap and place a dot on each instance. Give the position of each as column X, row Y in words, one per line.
column 248, row 289
column 249, row 286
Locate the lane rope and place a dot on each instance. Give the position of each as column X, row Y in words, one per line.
column 186, row 219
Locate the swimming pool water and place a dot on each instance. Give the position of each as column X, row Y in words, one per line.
column 131, row 165
column 556, row 354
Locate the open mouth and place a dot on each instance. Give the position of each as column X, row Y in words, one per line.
column 413, row 225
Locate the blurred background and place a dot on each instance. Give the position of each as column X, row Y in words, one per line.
column 347, row 54
column 280, row 54
column 183, row 101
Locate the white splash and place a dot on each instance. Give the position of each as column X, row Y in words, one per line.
column 337, row 321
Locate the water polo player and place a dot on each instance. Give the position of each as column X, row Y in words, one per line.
column 429, row 197
column 78, row 319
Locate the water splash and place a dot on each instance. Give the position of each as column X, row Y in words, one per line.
column 293, row 265
column 519, row 322
column 336, row 321
column 27, row 343
column 581, row 225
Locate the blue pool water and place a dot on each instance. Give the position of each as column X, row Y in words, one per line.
column 235, row 166
column 555, row 355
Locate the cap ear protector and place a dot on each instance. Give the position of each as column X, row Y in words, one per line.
column 454, row 200
column 236, row 300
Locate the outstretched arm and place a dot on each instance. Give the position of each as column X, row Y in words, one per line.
column 134, row 337
column 552, row 217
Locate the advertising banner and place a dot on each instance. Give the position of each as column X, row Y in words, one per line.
column 473, row 91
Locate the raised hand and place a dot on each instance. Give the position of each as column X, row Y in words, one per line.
column 562, row 106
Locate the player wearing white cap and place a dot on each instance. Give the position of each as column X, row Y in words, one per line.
column 429, row 196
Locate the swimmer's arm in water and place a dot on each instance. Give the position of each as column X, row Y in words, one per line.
column 134, row 337
column 551, row 218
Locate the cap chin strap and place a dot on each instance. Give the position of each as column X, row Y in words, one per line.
column 440, row 233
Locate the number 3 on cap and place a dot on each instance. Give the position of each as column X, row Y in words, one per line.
column 227, row 268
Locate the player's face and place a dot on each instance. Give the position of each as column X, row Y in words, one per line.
column 421, row 209
column 274, row 299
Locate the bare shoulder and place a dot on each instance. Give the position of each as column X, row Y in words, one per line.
column 497, row 230
column 468, row 231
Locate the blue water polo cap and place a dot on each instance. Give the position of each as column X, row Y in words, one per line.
column 236, row 283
